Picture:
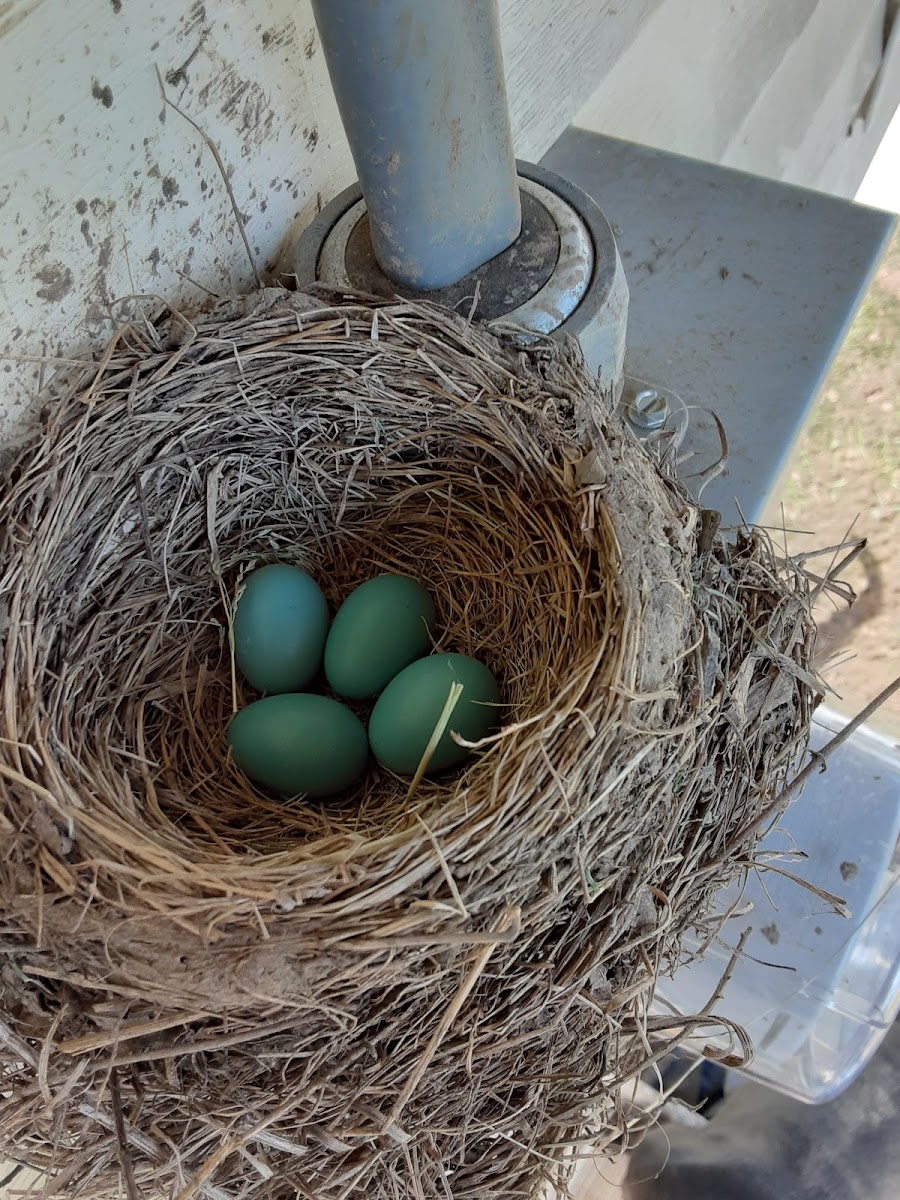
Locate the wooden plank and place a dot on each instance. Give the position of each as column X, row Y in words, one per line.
column 809, row 108
column 555, row 54
column 763, row 86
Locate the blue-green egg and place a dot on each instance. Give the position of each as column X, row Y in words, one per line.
column 410, row 707
column 280, row 627
column 297, row 743
column 382, row 626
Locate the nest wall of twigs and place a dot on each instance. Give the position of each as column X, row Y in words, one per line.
column 207, row 991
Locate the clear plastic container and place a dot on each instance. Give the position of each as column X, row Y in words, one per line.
column 815, row 991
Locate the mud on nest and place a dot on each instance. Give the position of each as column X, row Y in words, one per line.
column 207, row 992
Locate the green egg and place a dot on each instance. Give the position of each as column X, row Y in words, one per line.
column 280, row 627
column 298, row 742
column 410, row 707
column 381, row 627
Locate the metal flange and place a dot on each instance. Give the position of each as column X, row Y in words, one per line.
column 561, row 276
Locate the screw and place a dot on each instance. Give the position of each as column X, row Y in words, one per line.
column 648, row 410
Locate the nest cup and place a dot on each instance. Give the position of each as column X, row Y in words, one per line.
column 208, row 991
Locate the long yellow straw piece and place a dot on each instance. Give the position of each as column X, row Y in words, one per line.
column 456, row 690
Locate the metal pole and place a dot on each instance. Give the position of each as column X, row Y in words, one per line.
column 420, row 88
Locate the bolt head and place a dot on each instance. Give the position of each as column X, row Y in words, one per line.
column 648, row 409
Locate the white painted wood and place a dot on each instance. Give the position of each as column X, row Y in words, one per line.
column 805, row 109
column 689, row 78
column 881, row 185
column 760, row 85
column 105, row 192
column 555, row 51
column 848, row 159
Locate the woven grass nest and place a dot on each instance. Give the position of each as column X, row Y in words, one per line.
column 210, row 992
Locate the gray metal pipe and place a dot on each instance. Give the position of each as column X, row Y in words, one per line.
column 420, row 88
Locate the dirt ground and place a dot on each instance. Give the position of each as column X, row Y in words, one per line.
column 845, row 470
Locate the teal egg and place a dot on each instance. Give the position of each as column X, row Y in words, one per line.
column 409, row 708
column 382, row 626
column 298, row 742
column 280, row 627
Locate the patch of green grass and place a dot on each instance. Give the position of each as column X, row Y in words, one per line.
column 873, row 334
column 851, row 444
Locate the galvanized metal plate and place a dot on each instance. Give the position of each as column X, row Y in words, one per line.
column 742, row 290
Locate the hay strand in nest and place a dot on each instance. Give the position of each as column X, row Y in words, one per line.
column 433, row 991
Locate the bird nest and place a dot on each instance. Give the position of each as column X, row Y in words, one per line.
column 210, row 992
